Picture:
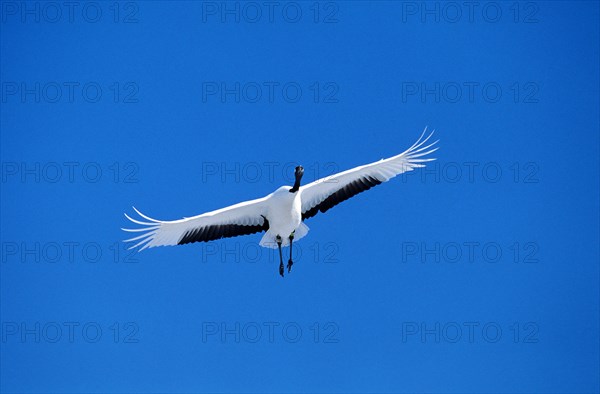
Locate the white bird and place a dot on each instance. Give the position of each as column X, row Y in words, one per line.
column 282, row 213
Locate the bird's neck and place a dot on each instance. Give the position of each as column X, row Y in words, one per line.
column 296, row 186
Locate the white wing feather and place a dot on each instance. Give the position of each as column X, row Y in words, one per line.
column 164, row 233
column 316, row 192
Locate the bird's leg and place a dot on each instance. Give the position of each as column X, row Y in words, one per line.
column 278, row 239
column 290, row 262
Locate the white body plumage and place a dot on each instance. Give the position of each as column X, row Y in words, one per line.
column 284, row 211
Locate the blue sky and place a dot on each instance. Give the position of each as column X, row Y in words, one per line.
column 477, row 274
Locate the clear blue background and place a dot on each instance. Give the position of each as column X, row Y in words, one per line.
column 373, row 290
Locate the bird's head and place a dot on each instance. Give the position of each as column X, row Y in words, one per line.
column 298, row 174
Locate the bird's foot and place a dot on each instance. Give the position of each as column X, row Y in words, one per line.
column 289, row 266
column 281, row 269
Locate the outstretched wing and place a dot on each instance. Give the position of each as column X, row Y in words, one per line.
column 240, row 219
column 325, row 193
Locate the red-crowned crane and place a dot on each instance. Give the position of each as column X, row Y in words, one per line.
column 282, row 213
